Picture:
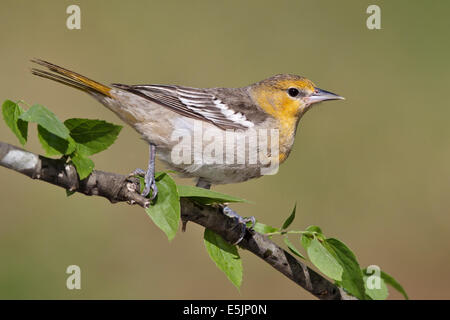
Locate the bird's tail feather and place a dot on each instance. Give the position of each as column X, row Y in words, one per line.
column 69, row 78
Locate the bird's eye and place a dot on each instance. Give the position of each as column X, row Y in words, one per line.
column 293, row 92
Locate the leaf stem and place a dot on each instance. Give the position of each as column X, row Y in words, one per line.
column 287, row 232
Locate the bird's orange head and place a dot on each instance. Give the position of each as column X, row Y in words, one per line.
column 286, row 97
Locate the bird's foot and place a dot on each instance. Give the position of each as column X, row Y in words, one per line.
column 242, row 222
column 150, row 184
column 149, row 180
column 149, row 175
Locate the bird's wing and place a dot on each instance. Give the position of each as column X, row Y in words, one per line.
column 201, row 104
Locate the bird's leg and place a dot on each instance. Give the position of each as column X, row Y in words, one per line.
column 149, row 175
column 203, row 184
column 228, row 212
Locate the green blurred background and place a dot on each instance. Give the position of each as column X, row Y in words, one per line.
column 372, row 170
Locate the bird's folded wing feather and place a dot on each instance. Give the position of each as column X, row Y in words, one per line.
column 201, row 104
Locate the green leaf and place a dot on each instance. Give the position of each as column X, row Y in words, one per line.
column 289, row 220
column 83, row 165
column 69, row 193
column 292, row 248
column 309, row 235
column 352, row 277
column 393, row 283
column 47, row 119
column 165, row 212
column 385, row 279
column 54, row 145
column 225, row 256
column 380, row 293
column 263, row 228
column 206, row 196
column 324, row 260
column 11, row 113
column 306, row 240
column 314, row 229
column 92, row 136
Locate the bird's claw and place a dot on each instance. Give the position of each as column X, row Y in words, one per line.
column 250, row 219
column 242, row 222
column 150, row 183
column 137, row 172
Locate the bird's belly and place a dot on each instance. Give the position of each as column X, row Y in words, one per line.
column 215, row 173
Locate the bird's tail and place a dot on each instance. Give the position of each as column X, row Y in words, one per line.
column 70, row 78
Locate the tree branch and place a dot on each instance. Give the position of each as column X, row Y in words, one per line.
column 120, row 188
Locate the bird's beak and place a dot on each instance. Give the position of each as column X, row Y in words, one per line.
column 322, row 95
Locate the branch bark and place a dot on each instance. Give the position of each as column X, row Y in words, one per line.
column 120, row 188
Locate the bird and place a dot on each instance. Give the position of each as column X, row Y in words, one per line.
column 164, row 114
